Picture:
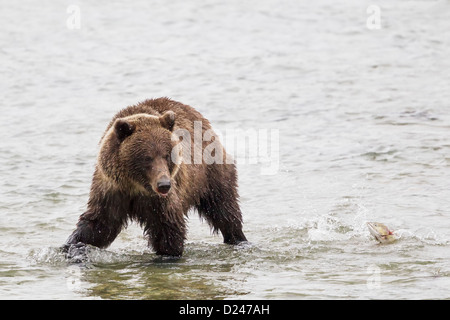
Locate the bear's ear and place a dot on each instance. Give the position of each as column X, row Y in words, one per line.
column 123, row 129
column 167, row 120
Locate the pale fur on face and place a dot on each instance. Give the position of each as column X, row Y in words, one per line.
column 140, row 118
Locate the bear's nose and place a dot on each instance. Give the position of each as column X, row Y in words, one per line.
column 163, row 185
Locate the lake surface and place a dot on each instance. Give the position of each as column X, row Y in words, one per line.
column 363, row 117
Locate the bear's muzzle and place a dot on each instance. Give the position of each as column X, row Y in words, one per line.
column 163, row 185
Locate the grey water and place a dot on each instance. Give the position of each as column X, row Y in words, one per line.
column 362, row 108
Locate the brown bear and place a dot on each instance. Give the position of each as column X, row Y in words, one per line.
column 139, row 177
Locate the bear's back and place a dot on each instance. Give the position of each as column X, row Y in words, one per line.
column 185, row 115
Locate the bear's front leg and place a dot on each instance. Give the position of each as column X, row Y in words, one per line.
column 95, row 227
column 94, row 232
column 167, row 240
column 103, row 220
column 165, row 227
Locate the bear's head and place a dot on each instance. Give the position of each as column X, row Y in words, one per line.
column 136, row 153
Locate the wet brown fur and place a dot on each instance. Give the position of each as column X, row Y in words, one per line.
column 133, row 155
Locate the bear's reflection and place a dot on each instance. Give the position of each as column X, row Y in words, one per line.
column 196, row 276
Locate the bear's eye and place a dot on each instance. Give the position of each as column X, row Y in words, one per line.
column 148, row 159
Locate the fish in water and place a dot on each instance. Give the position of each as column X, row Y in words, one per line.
column 381, row 232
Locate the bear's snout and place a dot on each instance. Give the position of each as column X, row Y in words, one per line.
column 163, row 185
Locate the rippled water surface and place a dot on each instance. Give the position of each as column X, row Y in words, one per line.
column 363, row 118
